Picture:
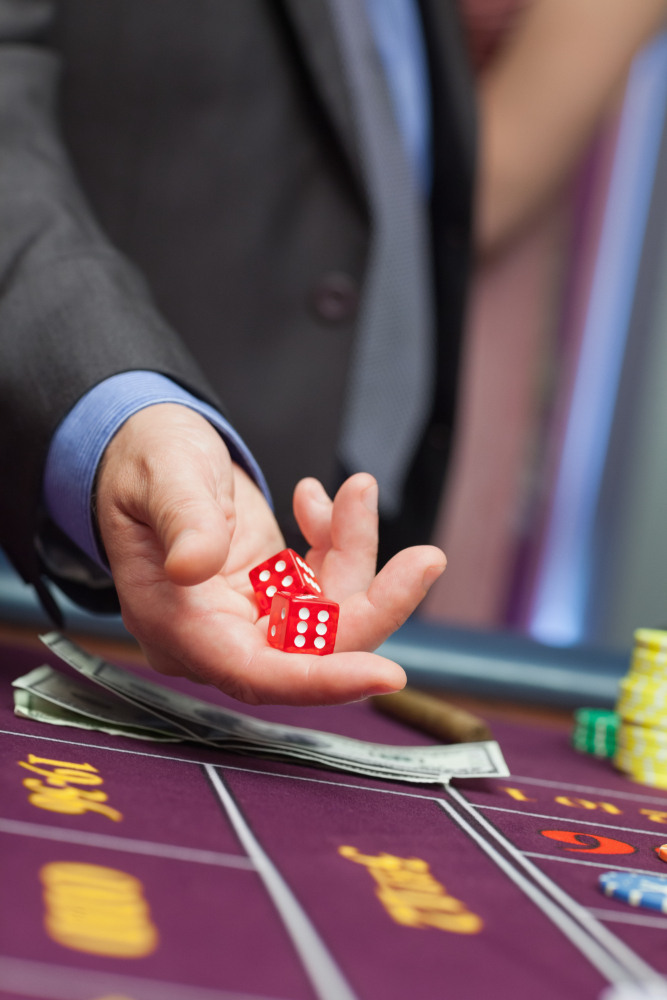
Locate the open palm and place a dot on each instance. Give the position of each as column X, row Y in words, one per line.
column 182, row 531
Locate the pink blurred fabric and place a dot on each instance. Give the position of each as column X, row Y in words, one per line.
column 507, row 338
column 521, row 347
column 525, row 322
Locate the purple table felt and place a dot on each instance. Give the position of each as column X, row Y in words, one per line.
column 202, row 875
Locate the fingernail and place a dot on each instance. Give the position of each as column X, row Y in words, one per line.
column 380, row 689
column 431, row 575
column 369, row 498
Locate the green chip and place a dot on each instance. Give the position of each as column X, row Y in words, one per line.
column 595, row 716
column 595, row 731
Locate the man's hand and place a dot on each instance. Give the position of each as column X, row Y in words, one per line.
column 182, row 526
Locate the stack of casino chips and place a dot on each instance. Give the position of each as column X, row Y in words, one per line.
column 595, row 731
column 649, row 891
column 641, row 744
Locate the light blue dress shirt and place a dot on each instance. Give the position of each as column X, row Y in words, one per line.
column 79, row 442
column 399, row 38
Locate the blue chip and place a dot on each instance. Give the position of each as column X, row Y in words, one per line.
column 649, row 891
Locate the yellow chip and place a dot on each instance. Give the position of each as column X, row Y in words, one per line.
column 645, row 769
column 652, row 780
column 647, row 774
column 642, row 687
column 642, row 751
column 639, row 762
column 651, row 638
column 643, row 701
column 647, row 664
column 632, row 762
column 632, row 740
column 647, row 717
column 637, row 748
column 630, row 736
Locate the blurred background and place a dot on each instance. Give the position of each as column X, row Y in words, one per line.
column 554, row 515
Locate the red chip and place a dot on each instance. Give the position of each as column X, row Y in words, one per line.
column 662, row 852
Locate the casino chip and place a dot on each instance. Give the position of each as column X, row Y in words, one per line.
column 643, row 699
column 641, row 739
column 647, row 891
column 595, row 731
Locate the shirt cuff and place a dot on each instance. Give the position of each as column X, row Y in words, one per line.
column 79, row 443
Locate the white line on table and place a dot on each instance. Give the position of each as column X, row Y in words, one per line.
column 598, row 956
column 572, row 819
column 324, row 781
column 25, row 978
column 109, row 842
column 632, row 962
column 326, row 978
column 548, row 783
column 94, row 746
column 227, row 767
column 640, row 919
column 609, row 866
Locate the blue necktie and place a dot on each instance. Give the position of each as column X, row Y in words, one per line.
column 392, row 375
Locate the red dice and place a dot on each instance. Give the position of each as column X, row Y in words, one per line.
column 303, row 624
column 285, row 571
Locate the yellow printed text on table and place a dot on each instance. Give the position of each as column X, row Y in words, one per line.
column 57, row 787
column 412, row 896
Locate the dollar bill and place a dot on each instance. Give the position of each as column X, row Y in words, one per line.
column 167, row 705
column 30, row 706
column 92, row 702
column 216, row 726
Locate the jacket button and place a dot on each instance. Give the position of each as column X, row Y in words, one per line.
column 335, row 297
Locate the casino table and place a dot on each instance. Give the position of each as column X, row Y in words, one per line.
column 185, row 873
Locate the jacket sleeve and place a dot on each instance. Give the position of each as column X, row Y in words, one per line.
column 73, row 310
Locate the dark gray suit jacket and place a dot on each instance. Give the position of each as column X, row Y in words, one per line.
column 190, row 166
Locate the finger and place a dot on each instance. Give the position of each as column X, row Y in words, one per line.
column 350, row 564
column 248, row 669
column 313, row 510
column 367, row 619
column 284, row 678
column 257, row 536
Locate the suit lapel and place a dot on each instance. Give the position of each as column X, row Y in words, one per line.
column 453, row 100
column 316, row 37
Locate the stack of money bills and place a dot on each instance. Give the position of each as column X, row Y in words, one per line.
column 125, row 704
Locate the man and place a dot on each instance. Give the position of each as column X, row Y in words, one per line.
column 293, row 180
column 224, row 148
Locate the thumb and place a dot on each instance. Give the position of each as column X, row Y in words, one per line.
column 194, row 531
column 169, row 471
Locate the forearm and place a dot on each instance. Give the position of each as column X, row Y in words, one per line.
column 542, row 98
